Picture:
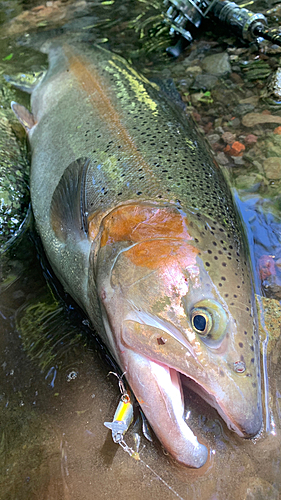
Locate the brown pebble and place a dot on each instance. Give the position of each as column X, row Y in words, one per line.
column 251, row 139
column 229, row 137
column 236, row 78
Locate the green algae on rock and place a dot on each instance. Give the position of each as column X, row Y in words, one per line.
column 14, row 191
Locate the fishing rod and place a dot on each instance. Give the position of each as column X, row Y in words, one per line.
column 183, row 15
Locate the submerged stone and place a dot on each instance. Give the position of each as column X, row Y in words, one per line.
column 217, row 64
column 14, row 191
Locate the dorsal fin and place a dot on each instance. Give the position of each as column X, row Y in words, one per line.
column 67, row 211
column 23, row 115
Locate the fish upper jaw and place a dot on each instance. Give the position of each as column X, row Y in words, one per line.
column 250, row 427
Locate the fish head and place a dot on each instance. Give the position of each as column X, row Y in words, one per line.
column 178, row 306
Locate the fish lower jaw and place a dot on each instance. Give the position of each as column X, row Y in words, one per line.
column 159, row 392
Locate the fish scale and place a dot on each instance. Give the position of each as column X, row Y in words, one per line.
column 139, row 225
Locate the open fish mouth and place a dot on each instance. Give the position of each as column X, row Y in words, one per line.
column 158, row 383
column 161, row 395
column 191, row 384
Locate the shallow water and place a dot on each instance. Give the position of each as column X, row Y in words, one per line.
column 55, row 392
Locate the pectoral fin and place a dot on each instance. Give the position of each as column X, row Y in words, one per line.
column 68, row 210
column 23, row 115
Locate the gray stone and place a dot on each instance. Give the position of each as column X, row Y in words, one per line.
column 204, row 82
column 243, row 108
column 213, row 138
column 217, row 64
column 222, row 159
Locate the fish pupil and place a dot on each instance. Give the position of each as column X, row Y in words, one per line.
column 199, row 322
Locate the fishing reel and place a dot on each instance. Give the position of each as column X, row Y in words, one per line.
column 183, row 15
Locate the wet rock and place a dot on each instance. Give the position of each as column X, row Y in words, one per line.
column 243, row 108
column 258, row 165
column 213, row 138
column 208, row 127
column 184, row 84
column 235, row 78
column 252, row 119
column 250, row 139
column 217, row 146
column 14, row 192
column 272, row 146
column 248, row 182
column 254, row 99
column 218, row 128
column 222, row 159
column 229, row 137
column 204, row 82
column 272, row 168
column 196, row 116
column 238, row 160
column 194, row 70
column 266, row 267
column 217, row 64
column 195, row 98
column 235, row 149
column 235, row 123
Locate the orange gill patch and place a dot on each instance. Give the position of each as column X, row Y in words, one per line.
column 143, row 222
column 161, row 235
column 156, row 254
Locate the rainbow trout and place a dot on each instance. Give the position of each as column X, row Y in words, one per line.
column 140, row 227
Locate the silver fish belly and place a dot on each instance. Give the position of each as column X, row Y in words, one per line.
column 140, row 227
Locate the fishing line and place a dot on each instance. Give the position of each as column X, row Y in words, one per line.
column 162, row 480
column 136, row 456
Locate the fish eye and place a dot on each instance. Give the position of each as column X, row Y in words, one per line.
column 209, row 320
column 201, row 321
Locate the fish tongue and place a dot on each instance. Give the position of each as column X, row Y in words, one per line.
column 159, row 392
